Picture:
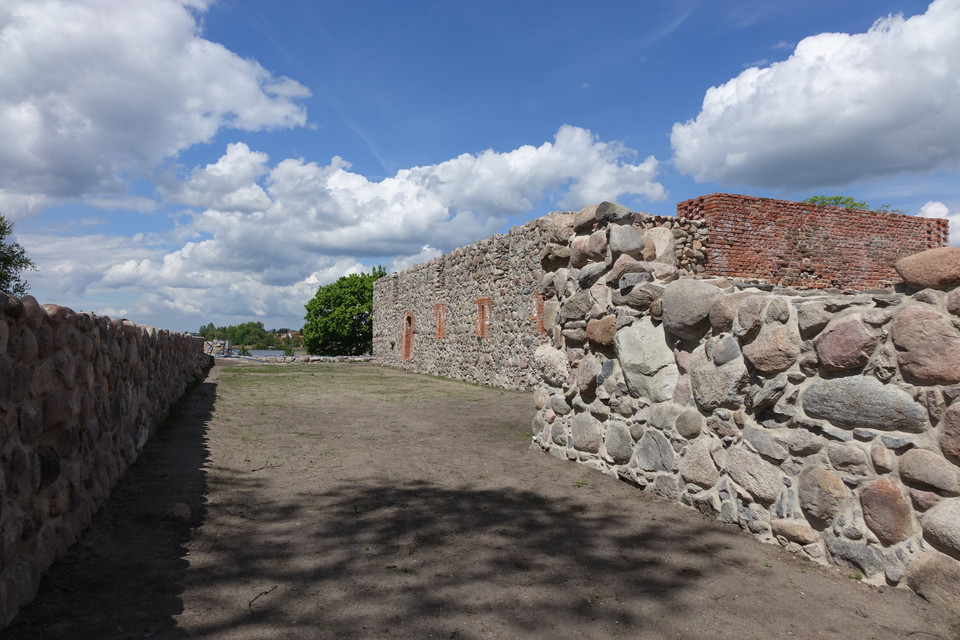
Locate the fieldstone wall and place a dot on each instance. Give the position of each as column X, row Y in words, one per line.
column 430, row 318
column 824, row 422
column 79, row 397
column 426, row 319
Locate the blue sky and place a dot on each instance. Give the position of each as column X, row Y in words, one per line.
column 184, row 162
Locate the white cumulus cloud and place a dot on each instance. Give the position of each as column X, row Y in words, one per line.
column 405, row 262
column 261, row 215
column 841, row 108
column 263, row 236
column 93, row 92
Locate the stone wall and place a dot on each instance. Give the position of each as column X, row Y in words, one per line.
column 827, row 423
column 799, row 244
column 426, row 319
column 477, row 314
column 79, row 397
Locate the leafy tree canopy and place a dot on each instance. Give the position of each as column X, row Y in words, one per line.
column 837, row 201
column 848, row 203
column 339, row 318
column 13, row 261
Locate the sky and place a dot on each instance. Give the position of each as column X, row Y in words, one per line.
column 180, row 162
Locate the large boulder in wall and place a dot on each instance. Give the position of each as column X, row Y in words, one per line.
column 648, row 364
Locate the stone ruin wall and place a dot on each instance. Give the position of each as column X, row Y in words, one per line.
column 427, row 319
column 79, row 397
column 800, row 244
column 828, row 423
column 824, row 421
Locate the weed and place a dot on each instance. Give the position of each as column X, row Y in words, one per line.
column 580, row 484
column 767, row 565
column 856, row 576
column 399, row 568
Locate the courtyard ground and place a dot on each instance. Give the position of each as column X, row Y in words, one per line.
column 352, row 501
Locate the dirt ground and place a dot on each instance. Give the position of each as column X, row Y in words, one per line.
column 351, row 501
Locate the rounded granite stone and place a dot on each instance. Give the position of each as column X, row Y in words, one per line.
column 937, row 268
column 863, row 402
column 928, row 346
column 886, row 511
column 821, row 493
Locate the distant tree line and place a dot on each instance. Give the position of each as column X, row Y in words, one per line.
column 252, row 334
column 339, row 321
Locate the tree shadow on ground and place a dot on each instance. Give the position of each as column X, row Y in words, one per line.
column 358, row 522
column 123, row 577
column 421, row 561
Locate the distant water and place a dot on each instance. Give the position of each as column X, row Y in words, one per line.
column 260, row 353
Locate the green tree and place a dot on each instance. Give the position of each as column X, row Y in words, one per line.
column 206, row 331
column 250, row 333
column 339, row 318
column 849, row 203
column 837, row 201
column 13, row 261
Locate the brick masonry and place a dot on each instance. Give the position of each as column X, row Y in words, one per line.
column 799, row 244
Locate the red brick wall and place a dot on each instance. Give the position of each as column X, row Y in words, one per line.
column 799, row 244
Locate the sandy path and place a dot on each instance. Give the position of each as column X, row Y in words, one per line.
column 358, row 502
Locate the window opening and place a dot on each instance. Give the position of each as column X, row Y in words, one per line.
column 536, row 312
column 484, row 313
column 440, row 315
column 406, row 342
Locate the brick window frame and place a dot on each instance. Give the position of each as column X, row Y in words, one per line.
column 406, row 337
column 484, row 315
column 536, row 311
column 440, row 316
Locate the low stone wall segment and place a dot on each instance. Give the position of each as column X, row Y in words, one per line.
column 800, row 244
column 80, row 395
column 827, row 423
